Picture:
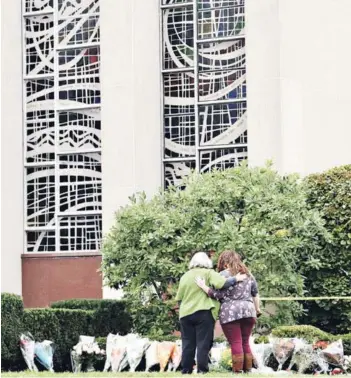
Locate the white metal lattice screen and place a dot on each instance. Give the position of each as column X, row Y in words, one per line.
column 204, row 86
column 62, row 125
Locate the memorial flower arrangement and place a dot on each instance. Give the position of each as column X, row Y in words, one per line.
column 85, row 354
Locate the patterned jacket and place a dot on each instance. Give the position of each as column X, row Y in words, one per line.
column 236, row 301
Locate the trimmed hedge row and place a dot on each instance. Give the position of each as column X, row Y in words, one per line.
column 61, row 325
column 109, row 315
column 11, row 326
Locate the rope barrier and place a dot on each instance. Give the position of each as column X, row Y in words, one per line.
column 303, row 298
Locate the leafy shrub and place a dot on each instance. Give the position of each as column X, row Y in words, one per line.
column 262, row 340
column 329, row 193
column 110, row 316
column 307, row 332
column 11, row 327
column 253, row 210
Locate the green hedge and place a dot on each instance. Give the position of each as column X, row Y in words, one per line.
column 329, row 193
column 110, row 316
column 11, row 326
column 307, row 332
column 61, row 325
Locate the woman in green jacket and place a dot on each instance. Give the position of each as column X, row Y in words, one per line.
column 198, row 312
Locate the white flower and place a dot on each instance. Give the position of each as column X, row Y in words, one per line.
column 90, row 350
column 102, row 351
column 85, row 348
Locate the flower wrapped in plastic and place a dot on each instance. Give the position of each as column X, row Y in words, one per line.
column 283, row 348
column 27, row 346
column 116, row 352
column 216, row 352
column 151, row 356
column 164, row 352
column 176, row 357
column 110, row 341
column 135, row 351
column 334, row 353
column 85, row 353
column 44, row 354
column 303, row 356
column 261, row 353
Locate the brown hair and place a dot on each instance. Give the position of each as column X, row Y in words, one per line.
column 232, row 261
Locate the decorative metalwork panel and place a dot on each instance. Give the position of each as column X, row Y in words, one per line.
column 175, row 172
column 38, row 6
column 80, row 182
column 204, row 86
column 39, row 34
column 178, row 38
column 221, row 158
column 80, row 233
column 62, row 125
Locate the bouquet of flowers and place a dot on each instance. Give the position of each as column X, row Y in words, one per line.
column 85, row 353
column 282, row 350
column 164, row 352
column 27, row 345
column 303, row 356
column 151, row 356
column 261, row 353
column 135, row 351
column 176, row 357
column 334, row 353
column 116, row 352
column 44, row 354
column 216, row 352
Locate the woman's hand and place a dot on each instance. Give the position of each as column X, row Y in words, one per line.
column 201, row 283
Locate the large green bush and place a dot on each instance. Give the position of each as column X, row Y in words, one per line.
column 330, row 194
column 109, row 315
column 254, row 211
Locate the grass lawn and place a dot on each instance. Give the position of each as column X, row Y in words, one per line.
column 141, row 374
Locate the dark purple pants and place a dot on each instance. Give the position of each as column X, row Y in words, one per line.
column 238, row 334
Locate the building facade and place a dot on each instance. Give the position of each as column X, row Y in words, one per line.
column 103, row 98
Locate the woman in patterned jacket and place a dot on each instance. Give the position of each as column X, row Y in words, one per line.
column 239, row 309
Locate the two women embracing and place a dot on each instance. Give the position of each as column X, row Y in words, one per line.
column 203, row 295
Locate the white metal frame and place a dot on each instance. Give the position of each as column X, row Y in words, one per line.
column 57, row 109
column 193, row 4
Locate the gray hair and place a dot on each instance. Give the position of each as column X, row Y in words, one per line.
column 200, row 260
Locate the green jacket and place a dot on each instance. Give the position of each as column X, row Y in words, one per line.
column 192, row 297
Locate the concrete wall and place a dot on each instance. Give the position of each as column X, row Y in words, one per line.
column 298, row 58
column 11, row 147
column 130, row 86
